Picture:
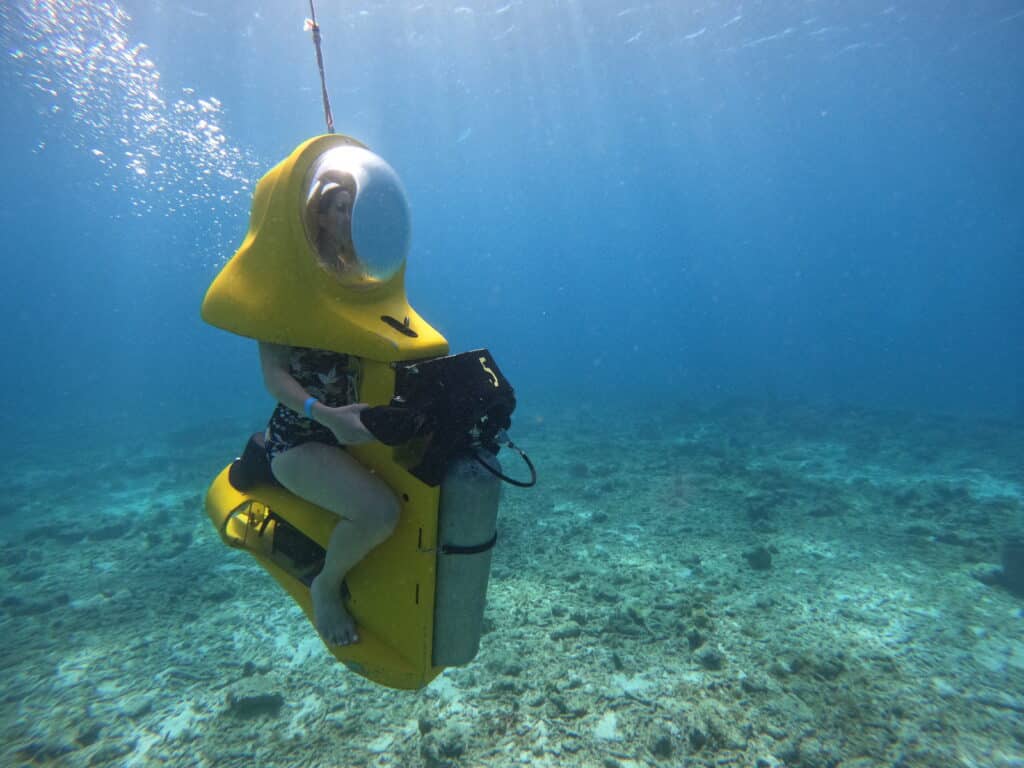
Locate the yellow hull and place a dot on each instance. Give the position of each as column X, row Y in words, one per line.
column 274, row 290
column 391, row 592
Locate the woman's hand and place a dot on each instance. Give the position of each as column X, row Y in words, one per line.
column 345, row 423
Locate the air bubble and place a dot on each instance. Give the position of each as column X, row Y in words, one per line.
column 106, row 93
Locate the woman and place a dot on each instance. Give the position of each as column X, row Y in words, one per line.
column 317, row 415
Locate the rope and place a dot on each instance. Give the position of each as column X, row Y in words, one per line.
column 312, row 26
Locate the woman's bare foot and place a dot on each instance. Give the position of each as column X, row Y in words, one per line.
column 332, row 621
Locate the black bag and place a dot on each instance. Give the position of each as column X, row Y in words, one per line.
column 458, row 404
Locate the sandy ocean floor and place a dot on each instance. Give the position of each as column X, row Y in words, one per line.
column 757, row 585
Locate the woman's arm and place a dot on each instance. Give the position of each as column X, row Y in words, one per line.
column 343, row 421
column 282, row 386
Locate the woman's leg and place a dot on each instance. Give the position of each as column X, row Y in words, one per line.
column 332, row 479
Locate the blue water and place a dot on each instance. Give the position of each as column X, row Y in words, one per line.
column 810, row 200
column 754, row 268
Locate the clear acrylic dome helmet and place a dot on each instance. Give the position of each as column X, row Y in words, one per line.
column 380, row 229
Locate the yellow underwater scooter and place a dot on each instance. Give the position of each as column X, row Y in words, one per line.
column 418, row 598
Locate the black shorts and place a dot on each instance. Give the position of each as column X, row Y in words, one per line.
column 287, row 429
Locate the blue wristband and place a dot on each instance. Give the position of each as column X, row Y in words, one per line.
column 308, row 407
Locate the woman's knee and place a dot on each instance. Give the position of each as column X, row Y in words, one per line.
column 380, row 518
column 328, row 477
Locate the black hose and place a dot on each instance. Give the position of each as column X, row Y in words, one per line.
column 501, row 476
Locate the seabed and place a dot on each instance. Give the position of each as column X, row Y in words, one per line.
column 750, row 584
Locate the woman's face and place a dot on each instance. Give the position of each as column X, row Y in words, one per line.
column 335, row 221
column 336, row 217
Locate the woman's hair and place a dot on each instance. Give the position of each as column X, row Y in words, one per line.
column 327, row 193
column 319, row 203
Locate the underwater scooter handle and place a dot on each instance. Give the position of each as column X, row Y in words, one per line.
column 393, row 425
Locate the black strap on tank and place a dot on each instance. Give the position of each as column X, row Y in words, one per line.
column 476, row 549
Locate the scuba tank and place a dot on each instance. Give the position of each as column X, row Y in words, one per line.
column 460, row 405
column 466, row 533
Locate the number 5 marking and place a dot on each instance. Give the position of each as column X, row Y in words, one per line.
column 494, row 378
